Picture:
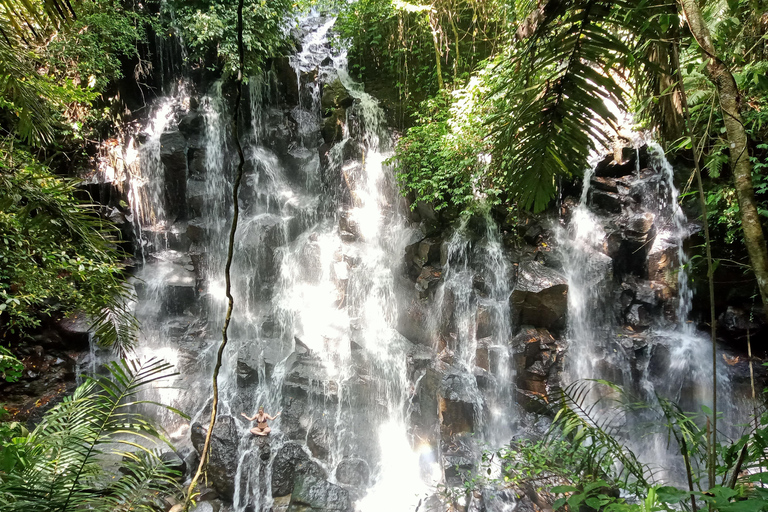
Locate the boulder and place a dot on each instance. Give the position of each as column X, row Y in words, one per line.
column 319, row 440
column 460, row 455
column 412, row 322
column 180, row 291
column 333, row 126
column 247, row 375
column 222, row 465
column 608, row 201
column 608, row 167
column 662, row 261
column 292, row 461
column 483, row 322
column 191, row 124
column 203, row 506
column 353, row 472
column 313, row 494
column 428, row 280
column 196, row 197
column 288, row 81
column 335, row 95
column 540, row 297
column 75, row 330
column 425, row 406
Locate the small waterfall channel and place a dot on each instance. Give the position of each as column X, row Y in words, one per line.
column 629, row 300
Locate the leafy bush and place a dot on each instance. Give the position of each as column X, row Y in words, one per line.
column 584, row 461
column 209, row 27
column 58, row 257
column 443, row 159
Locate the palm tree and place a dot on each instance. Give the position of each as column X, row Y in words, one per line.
column 58, row 466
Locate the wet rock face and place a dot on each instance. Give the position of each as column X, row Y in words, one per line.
column 457, row 405
column 312, row 494
column 540, row 297
column 222, row 465
column 173, row 155
column 292, row 462
column 537, row 360
column 353, row 472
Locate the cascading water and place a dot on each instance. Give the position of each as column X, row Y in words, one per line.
column 318, row 286
column 395, row 348
column 629, row 299
column 313, row 280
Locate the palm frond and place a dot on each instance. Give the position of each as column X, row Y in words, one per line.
column 551, row 96
column 31, row 20
column 557, row 94
column 146, row 477
column 24, row 92
column 581, row 421
column 60, row 469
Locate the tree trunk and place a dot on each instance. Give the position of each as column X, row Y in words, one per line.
column 434, row 28
column 728, row 91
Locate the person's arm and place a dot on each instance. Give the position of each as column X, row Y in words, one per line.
column 275, row 416
column 246, row 417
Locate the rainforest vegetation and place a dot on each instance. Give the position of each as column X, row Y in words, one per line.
column 498, row 103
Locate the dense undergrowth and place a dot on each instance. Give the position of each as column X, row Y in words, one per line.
column 585, row 463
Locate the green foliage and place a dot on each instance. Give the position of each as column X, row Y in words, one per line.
column 392, row 43
column 58, row 256
column 442, row 160
column 10, row 366
column 209, row 27
column 553, row 89
column 90, row 50
column 59, row 466
column 584, row 462
column 31, row 20
column 51, row 77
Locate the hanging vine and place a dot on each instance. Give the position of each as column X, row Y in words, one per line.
column 227, row 271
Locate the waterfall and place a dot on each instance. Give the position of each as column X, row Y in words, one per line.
column 629, row 298
column 397, row 345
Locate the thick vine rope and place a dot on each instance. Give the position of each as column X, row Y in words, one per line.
column 227, row 271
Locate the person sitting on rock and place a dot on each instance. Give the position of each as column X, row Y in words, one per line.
column 261, row 428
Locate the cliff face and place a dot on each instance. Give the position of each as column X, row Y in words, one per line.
column 398, row 343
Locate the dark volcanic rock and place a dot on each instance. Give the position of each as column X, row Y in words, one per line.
column 457, row 404
column 222, row 465
column 75, row 330
column 313, row 494
column 353, row 472
column 292, row 461
column 287, row 80
column 540, row 297
column 610, row 168
column 173, row 155
column 335, row 95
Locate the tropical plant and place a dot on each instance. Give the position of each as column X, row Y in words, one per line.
column 442, row 159
column 418, row 49
column 209, row 30
column 584, row 458
column 10, row 366
column 59, row 256
column 60, row 465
